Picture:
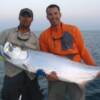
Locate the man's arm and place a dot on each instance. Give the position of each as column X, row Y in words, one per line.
column 44, row 47
column 43, row 43
column 3, row 37
column 84, row 53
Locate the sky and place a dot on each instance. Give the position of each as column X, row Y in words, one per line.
column 83, row 13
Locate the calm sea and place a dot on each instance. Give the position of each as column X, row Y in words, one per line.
column 92, row 40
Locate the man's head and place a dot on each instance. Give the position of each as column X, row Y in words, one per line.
column 25, row 17
column 53, row 14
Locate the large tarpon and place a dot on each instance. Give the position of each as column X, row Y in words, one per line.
column 66, row 69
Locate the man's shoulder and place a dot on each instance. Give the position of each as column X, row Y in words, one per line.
column 9, row 30
column 70, row 26
column 45, row 31
column 33, row 35
column 6, row 32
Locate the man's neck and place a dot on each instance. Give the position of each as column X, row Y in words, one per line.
column 56, row 27
column 23, row 29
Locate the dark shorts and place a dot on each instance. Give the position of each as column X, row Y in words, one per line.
column 62, row 90
column 18, row 85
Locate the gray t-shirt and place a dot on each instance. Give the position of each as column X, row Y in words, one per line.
column 26, row 40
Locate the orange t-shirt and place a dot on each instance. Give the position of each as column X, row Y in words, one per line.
column 50, row 41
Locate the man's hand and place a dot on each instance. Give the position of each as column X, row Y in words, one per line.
column 53, row 76
column 98, row 75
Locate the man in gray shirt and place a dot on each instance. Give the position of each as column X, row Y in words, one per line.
column 16, row 81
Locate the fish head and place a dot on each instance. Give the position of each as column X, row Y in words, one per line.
column 12, row 51
column 8, row 47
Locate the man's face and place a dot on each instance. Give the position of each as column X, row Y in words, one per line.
column 53, row 15
column 25, row 21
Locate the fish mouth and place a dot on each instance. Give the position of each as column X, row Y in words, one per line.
column 14, row 52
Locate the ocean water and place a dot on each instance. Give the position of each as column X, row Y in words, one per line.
column 92, row 40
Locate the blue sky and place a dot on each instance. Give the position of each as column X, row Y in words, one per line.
column 83, row 13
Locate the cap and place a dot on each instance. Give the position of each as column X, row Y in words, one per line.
column 26, row 12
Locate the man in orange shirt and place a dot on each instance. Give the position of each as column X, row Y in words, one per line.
column 67, row 41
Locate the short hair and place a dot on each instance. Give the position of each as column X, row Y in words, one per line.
column 52, row 6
